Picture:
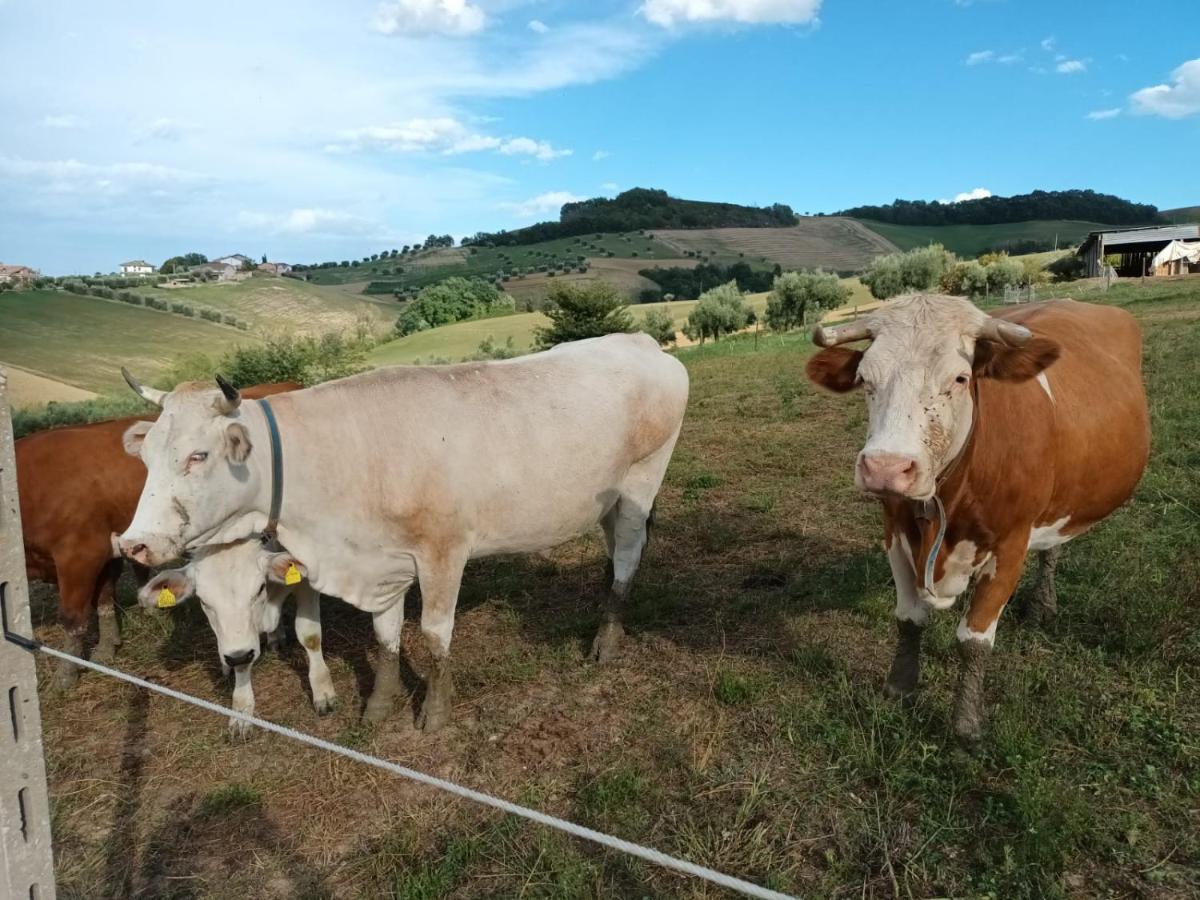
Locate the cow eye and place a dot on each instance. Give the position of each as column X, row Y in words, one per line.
column 198, row 457
column 962, row 379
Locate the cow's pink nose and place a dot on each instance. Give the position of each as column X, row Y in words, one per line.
column 892, row 473
column 134, row 550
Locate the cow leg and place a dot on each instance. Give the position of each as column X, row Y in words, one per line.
column 243, row 702
column 77, row 579
column 626, row 529
column 911, row 618
column 1044, row 601
column 440, row 582
column 977, row 636
column 308, row 632
column 387, row 670
column 106, row 614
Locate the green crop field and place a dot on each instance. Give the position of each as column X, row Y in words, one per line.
column 743, row 724
column 971, row 240
column 462, row 339
column 84, row 341
column 275, row 305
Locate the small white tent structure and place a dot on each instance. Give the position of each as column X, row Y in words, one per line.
column 1176, row 258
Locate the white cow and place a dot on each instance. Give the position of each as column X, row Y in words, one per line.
column 242, row 598
column 407, row 473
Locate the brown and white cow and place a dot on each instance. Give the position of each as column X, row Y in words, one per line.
column 1026, row 428
column 78, row 487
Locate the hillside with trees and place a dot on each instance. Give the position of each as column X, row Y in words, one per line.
column 636, row 210
column 1079, row 205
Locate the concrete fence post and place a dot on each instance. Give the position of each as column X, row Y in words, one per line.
column 26, row 863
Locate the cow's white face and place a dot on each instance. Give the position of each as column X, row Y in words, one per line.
column 917, row 374
column 199, row 476
column 241, row 589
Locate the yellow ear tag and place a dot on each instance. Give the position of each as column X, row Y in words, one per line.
column 165, row 599
column 292, row 575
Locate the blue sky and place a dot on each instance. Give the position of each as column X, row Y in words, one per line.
column 313, row 131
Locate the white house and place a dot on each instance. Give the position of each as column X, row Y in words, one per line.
column 274, row 268
column 236, row 260
column 137, row 267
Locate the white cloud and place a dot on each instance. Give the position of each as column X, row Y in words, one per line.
column 1177, row 100
column 162, row 129
column 977, row 194
column 1070, row 67
column 610, row 187
column 541, row 205
column 1009, row 58
column 63, row 122
column 452, row 17
column 600, row 154
column 537, row 26
column 445, row 135
column 70, row 176
column 991, row 56
column 980, row 56
column 1098, row 114
column 669, row 13
column 310, row 221
column 1048, row 44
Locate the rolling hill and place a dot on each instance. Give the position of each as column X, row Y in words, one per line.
column 1183, row 215
column 971, row 240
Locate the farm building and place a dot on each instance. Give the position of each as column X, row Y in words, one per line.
column 274, row 268
column 222, row 271
column 237, row 260
column 1139, row 250
column 14, row 275
column 137, row 267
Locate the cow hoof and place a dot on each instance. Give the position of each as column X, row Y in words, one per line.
column 433, row 716
column 66, row 676
column 893, row 690
column 969, row 733
column 324, row 705
column 377, row 709
column 608, row 642
column 239, row 732
column 104, row 654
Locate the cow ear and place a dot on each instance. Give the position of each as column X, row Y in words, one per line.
column 237, row 442
column 167, row 588
column 283, row 568
column 135, row 436
column 1004, row 363
column 835, row 369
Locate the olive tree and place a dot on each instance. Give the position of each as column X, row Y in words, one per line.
column 793, row 294
column 720, row 310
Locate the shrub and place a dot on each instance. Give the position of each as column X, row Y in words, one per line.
column 649, row 295
column 721, row 310
column 659, row 325
column 451, row 300
column 916, row 270
column 578, row 311
column 489, row 349
column 965, row 278
column 794, row 293
column 1067, row 268
column 306, row 359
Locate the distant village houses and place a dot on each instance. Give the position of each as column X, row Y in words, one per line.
column 220, row 270
column 17, row 276
column 237, row 260
column 274, row 268
column 137, row 267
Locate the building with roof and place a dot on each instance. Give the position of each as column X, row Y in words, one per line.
column 1136, row 247
column 17, row 275
column 237, row 260
column 274, row 268
column 137, row 267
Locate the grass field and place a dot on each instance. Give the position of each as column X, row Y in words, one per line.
column 1184, row 215
column 462, row 339
column 83, row 341
column 971, row 240
column 31, row 389
column 743, row 726
column 832, row 243
column 275, row 305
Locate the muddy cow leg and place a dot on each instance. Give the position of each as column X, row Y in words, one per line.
column 626, row 531
column 308, row 632
column 977, row 635
column 78, row 575
column 106, row 614
column 387, row 626
column 440, row 579
column 1043, row 602
column 911, row 618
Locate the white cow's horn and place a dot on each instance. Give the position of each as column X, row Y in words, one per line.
column 1003, row 332
column 231, row 397
column 146, row 393
column 843, row 334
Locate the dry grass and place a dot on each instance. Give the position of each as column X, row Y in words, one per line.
column 31, row 389
column 742, row 726
column 832, row 243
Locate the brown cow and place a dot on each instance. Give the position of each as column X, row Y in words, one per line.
column 989, row 436
column 77, row 487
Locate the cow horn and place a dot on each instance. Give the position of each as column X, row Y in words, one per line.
column 231, row 396
column 146, row 393
column 830, row 337
column 1003, row 332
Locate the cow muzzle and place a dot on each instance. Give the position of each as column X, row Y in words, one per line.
column 888, row 473
column 147, row 550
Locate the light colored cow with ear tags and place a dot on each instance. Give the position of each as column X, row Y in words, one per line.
column 241, row 588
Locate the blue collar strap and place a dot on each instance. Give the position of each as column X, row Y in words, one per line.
column 268, row 533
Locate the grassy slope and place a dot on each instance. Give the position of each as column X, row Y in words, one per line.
column 27, row 389
column 83, row 341
column 971, row 240
column 454, row 342
column 283, row 304
column 743, row 725
column 1184, row 215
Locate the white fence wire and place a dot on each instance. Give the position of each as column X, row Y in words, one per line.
column 605, row 840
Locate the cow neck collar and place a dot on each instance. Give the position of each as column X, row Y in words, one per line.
column 933, row 509
column 270, row 533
